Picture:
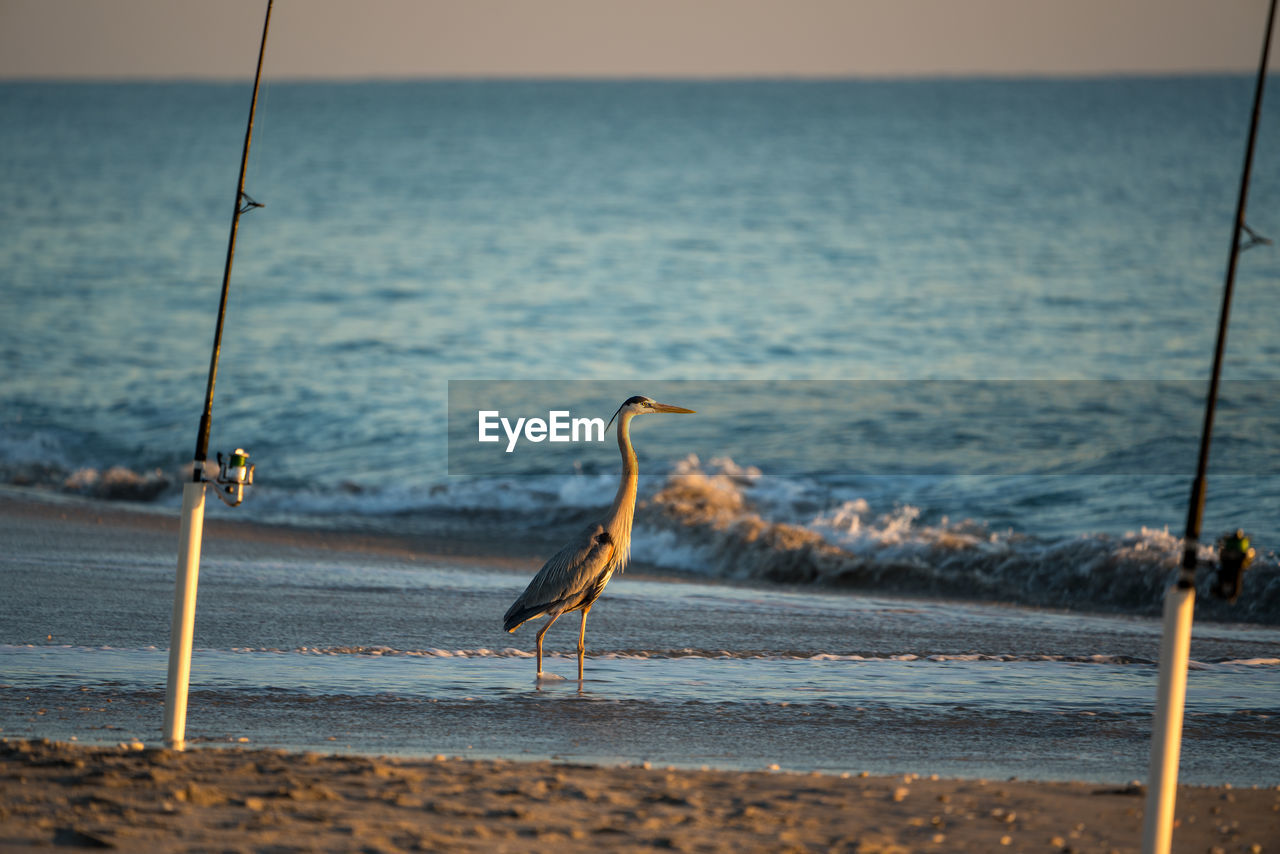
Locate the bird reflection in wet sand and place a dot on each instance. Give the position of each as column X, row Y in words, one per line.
column 574, row 578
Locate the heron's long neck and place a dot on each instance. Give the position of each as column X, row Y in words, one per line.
column 620, row 514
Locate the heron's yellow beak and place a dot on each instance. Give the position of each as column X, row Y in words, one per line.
column 664, row 407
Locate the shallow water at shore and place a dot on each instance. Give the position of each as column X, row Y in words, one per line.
column 1037, row 720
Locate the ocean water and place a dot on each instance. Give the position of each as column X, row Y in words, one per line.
column 947, row 339
column 839, row 269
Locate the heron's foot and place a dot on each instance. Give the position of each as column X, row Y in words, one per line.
column 548, row 677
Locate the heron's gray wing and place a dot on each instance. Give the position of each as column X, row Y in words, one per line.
column 564, row 578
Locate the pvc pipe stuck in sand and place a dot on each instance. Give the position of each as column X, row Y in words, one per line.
column 182, row 627
column 1166, row 731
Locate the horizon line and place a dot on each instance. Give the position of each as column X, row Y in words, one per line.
column 646, row 77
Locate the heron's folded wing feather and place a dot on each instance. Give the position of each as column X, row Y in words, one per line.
column 564, row 577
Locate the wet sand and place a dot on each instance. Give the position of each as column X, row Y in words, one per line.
column 29, row 519
column 33, row 521
column 142, row 800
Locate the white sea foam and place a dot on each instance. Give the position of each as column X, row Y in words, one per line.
column 1102, row 659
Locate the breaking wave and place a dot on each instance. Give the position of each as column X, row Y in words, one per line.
column 721, row 519
column 116, row 483
column 41, row 460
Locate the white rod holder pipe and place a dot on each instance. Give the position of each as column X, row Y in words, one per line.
column 1166, row 731
column 182, row 627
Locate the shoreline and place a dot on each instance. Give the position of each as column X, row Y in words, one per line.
column 211, row 798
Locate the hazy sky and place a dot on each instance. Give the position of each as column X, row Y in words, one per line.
column 413, row 38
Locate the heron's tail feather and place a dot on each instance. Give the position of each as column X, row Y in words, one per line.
column 518, row 615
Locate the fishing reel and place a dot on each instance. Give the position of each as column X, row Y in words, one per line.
column 1234, row 556
column 234, row 474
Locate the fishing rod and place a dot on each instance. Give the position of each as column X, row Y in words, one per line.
column 1195, row 509
column 1175, row 644
column 233, row 474
column 244, row 203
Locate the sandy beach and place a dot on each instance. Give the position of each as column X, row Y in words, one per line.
column 135, row 799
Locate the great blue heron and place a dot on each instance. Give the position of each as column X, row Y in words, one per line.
column 574, row 578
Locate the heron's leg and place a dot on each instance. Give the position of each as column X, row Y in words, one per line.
column 542, row 632
column 582, row 640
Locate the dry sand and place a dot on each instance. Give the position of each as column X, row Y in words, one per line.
column 236, row 800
